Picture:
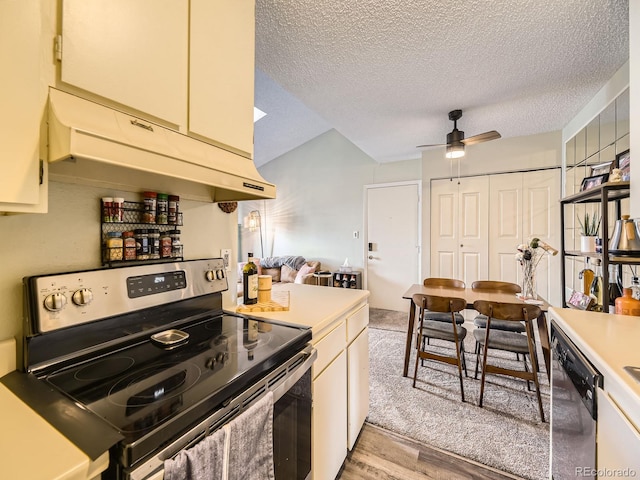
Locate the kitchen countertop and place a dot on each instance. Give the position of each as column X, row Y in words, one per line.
column 315, row 306
column 610, row 342
column 29, row 446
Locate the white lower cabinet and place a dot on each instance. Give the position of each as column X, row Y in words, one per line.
column 329, row 420
column 618, row 441
column 340, row 391
column 357, row 386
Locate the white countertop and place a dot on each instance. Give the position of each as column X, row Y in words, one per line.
column 610, row 342
column 30, row 447
column 315, row 306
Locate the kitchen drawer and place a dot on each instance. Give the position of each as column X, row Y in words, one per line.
column 356, row 322
column 329, row 347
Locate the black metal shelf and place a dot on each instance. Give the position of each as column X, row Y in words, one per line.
column 607, row 191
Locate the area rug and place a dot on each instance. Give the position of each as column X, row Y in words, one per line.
column 505, row 434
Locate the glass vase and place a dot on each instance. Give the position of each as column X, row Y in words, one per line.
column 529, row 281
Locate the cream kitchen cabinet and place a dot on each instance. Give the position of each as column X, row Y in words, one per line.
column 133, row 53
column 357, row 373
column 189, row 65
column 221, row 79
column 23, row 185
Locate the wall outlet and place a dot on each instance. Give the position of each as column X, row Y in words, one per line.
column 225, row 254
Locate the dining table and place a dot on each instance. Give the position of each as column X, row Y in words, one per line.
column 470, row 295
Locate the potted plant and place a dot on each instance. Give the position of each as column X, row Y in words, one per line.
column 589, row 227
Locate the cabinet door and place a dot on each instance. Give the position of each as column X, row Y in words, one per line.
column 358, row 385
column 618, row 439
column 22, row 102
column 132, row 52
column 221, row 81
column 329, row 420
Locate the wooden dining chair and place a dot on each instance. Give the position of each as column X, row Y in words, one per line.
column 439, row 316
column 448, row 331
column 508, row 341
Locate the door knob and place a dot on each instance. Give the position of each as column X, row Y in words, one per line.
column 370, row 257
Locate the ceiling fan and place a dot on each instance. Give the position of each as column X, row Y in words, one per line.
column 456, row 141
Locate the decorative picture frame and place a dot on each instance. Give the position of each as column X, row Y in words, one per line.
column 580, row 301
column 623, row 162
column 589, row 182
column 601, row 168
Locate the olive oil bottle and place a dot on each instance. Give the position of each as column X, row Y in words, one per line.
column 250, row 282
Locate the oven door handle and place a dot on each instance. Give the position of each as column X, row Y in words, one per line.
column 284, row 377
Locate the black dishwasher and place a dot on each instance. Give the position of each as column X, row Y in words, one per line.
column 573, row 410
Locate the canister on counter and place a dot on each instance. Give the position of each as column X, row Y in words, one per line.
column 129, row 245
column 149, row 214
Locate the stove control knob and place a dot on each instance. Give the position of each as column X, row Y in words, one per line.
column 220, row 274
column 220, row 358
column 210, row 275
column 55, row 302
column 210, row 363
column 82, row 297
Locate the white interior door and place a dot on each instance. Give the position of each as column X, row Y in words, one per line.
column 393, row 234
column 459, row 228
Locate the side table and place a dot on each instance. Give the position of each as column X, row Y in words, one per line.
column 323, row 278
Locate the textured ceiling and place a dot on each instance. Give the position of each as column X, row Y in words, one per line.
column 385, row 74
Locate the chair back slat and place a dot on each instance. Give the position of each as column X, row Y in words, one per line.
column 495, row 286
column 435, row 303
column 443, row 282
column 507, row 311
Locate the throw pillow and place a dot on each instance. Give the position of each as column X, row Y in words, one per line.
column 287, row 274
column 303, row 272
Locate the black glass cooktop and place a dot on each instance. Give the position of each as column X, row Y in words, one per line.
column 140, row 387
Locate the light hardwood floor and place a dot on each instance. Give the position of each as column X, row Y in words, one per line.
column 383, row 455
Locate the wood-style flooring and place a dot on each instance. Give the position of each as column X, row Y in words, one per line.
column 383, row 455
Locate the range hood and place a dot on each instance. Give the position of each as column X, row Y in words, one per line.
column 90, row 143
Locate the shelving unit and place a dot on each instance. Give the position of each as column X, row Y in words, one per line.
column 132, row 215
column 602, row 195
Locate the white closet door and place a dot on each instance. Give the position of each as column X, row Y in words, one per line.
column 459, row 228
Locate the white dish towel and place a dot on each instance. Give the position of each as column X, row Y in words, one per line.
column 241, row 450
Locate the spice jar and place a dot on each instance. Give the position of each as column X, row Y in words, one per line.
column 117, row 210
column 154, row 244
column 142, row 244
column 163, row 209
column 129, row 245
column 107, row 205
column 149, row 214
column 174, row 210
column 114, row 246
column 176, row 246
column 165, row 245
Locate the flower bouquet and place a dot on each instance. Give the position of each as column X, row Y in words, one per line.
column 529, row 255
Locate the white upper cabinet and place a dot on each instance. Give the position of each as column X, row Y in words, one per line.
column 23, row 105
column 221, row 81
column 133, row 52
column 188, row 64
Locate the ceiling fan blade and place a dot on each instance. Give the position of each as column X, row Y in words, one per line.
column 433, row 145
column 482, row 137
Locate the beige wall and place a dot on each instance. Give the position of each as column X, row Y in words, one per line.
column 68, row 238
column 634, row 92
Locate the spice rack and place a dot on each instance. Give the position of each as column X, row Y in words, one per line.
column 129, row 216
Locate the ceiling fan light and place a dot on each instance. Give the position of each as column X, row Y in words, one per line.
column 455, row 151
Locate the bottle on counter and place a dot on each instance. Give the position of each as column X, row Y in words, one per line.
column 250, row 282
column 627, row 305
column 586, row 275
column 597, row 288
column 615, row 286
